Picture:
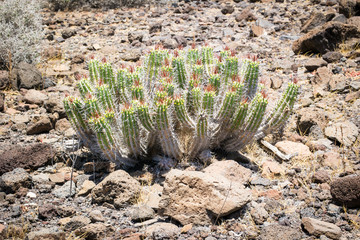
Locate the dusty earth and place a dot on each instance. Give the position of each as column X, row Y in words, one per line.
column 253, row 195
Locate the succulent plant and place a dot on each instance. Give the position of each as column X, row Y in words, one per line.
column 179, row 104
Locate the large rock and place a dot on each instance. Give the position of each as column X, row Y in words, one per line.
column 318, row 228
column 27, row 76
column 325, row 38
column 346, row 190
column 32, row 156
column 12, row 181
column 118, row 188
column 199, row 197
column 343, row 132
column 349, row 7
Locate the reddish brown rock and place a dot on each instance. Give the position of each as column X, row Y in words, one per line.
column 346, row 190
column 32, row 156
column 325, row 38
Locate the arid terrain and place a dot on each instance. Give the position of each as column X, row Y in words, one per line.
column 300, row 183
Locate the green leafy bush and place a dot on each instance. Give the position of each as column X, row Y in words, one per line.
column 179, row 104
column 20, row 31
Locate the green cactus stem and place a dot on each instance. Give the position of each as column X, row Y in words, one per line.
column 137, row 112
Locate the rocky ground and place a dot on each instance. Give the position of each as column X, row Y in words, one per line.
column 313, row 195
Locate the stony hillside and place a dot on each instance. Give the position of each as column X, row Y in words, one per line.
column 299, row 183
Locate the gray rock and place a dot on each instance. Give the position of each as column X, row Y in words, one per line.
column 343, row 132
column 140, row 213
column 135, row 36
column 197, row 197
column 64, row 190
column 314, row 63
column 76, row 223
column 50, row 233
column 96, row 231
column 162, row 230
column 258, row 212
column 35, row 97
column 96, row 216
column 318, row 228
column 314, row 21
column 27, row 76
column 67, row 33
column 12, row 181
column 340, row 18
column 260, row 181
column 276, row 232
column 332, row 56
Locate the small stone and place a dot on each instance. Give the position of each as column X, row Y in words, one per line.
column 331, row 57
column 289, row 147
column 332, row 159
column 321, row 176
column 57, row 177
column 260, row 181
column 76, row 222
column 96, row 46
column 318, row 228
column 314, row 63
column 31, row 195
column 272, row 193
column 67, row 33
column 95, row 231
column 256, row 31
column 35, row 97
column 86, row 188
column 271, row 168
column 43, row 125
column 141, row 213
column 228, row 9
column 64, row 191
column 47, row 211
column 162, row 230
column 96, row 216
column 186, row 228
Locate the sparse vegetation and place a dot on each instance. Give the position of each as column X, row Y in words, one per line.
column 20, row 32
